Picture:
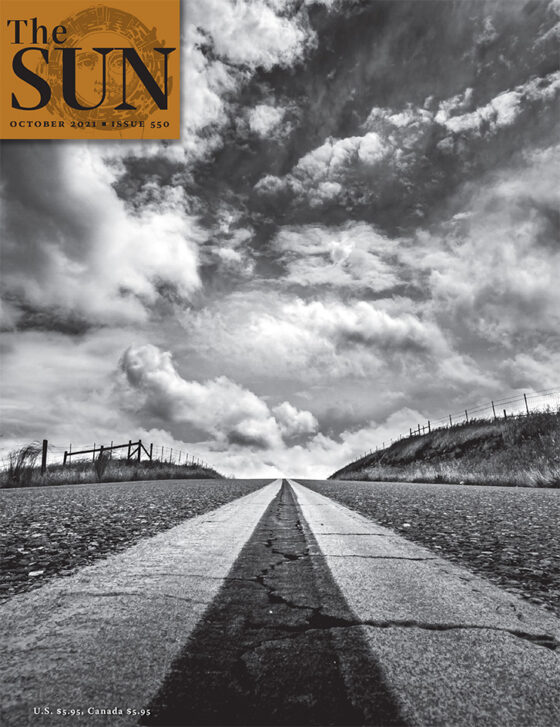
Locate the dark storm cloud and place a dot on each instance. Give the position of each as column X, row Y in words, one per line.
column 52, row 320
column 374, row 90
column 368, row 63
column 141, row 180
column 404, row 164
column 35, row 212
column 75, row 254
column 394, row 56
column 247, row 440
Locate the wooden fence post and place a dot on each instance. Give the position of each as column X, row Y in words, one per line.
column 467, row 416
column 139, row 450
column 129, row 449
column 93, row 455
column 494, row 410
column 151, row 451
column 429, row 426
column 526, row 405
column 505, row 414
column 65, row 458
column 450, row 421
column 44, row 457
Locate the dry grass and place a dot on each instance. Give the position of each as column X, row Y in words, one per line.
column 518, row 452
column 21, row 464
column 117, row 470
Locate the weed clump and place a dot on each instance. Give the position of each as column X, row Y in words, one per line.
column 21, row 464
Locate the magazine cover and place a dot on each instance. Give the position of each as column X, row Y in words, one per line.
column 280, row 433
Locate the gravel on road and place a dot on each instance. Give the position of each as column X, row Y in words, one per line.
column 509, row 535
column 50, row 531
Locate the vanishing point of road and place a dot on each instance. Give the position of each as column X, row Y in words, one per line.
column 281, row 603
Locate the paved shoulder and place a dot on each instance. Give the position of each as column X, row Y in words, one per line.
column 455, row 649
column 106, row 636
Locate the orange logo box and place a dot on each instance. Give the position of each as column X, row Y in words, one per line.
column 73, row 69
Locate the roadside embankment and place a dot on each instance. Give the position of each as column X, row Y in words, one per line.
column 517, row 452
column 118, row 470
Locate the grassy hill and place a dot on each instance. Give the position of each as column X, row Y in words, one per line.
column 117, row 470
column 518, row 451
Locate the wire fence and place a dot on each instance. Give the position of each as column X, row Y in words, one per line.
column 56, row 454
column 512, row 406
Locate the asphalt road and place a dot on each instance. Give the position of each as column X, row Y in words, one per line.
column 282, row 607
column 105, row 636
column 455, row 649
column 509, row 535
column 262, row 654
column 49, row 531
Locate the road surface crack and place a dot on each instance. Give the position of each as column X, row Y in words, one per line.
column 369, row 535
column 263, row 652
column 319, row 621
column 378, row 557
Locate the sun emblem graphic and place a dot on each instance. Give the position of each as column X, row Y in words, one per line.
column 97, row 93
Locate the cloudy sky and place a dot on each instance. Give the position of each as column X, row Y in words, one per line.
column 357, row 231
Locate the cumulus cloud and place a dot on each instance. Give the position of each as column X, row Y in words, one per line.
column 501, row 111
column 406, row 158
column 264, row 119
column 80, row 250
column 337, row 154
column 497, row 268
column 537, row 368
column 365, row 323
column 318, row 344
column 252, row 33
column 294, row 423
column 354, row 256
column 219, row 407
column 321, row 455
column 319, row 173
column 74, row 248
column 225, row 43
